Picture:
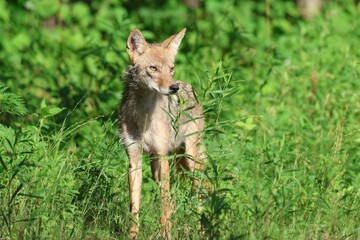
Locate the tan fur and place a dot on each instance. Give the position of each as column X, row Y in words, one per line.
column 158, row 116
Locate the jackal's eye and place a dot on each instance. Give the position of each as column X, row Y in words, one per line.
column 172, row 69
column 153, row 68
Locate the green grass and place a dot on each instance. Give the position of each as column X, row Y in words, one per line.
column 281, row 101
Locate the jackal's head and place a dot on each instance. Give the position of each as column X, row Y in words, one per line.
column 154, row 63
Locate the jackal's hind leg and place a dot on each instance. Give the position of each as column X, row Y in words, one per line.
column 195, row 158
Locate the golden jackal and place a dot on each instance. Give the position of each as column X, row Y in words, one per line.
column 158, row 115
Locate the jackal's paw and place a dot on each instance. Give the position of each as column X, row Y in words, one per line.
column 165, row 234
column 134, row 230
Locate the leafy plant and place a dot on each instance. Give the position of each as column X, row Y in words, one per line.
column 10, row 102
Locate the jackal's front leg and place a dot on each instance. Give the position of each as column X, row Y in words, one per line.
column 161, row 173
column 135, row 178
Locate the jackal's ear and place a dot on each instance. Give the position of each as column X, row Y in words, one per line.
column 173, row 42
column 135, row 45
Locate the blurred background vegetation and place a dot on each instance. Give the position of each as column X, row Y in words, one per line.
column 280, row 85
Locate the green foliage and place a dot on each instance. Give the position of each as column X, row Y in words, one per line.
column 281, row 101
column 11, row 103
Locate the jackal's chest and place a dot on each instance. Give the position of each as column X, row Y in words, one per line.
column 158, row 138
column 151, row 122
column 159, row 133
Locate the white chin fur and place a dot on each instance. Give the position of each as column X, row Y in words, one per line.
column 164, row 91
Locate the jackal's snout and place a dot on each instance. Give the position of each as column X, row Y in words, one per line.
column 173, row 88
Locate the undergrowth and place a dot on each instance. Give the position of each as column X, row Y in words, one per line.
column 280, row 98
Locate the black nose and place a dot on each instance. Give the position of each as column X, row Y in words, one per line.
column 174, row 88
